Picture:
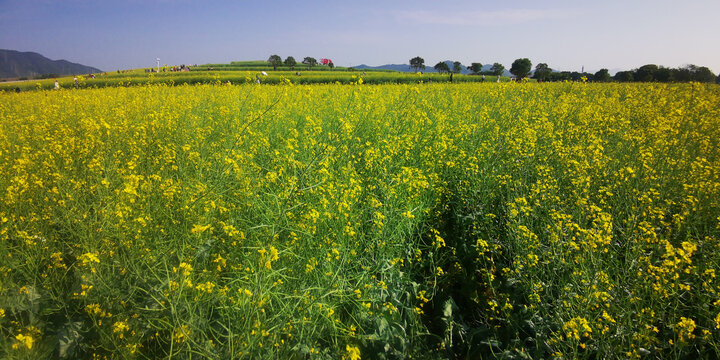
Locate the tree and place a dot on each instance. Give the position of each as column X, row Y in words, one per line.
column 560, row 76
column 309, row 62
column 442, row 67
column 542, row 71
column 703, row 74
column 331, row 65
column 475, row 68
column 275, row 61
column 603, row 75
column 497, row 69
column 417, row 63
column 717, row 80
column 664, row 74
column 683, row 74
column 457, row 67
column 578, row 76
column 692, row 73
column 521, row 68
column 290, row 61
column 646, row 73
column 625, row 76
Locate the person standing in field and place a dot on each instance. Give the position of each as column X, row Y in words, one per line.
column 57, row 85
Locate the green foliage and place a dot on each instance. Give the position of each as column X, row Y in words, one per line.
column 542, row 72
column 521, row 68
column 457, row 67
column 664, row 74
column 309, row 62
column 417, row 63
column 497, row 69
column 654, row 73
column 319, row 75
column 702, row 74
column 274, row 61
column 442, row 67
column 602, row 75
column 439, row 221
column 646, row 73
column 624, row 76
column 475, row 68
column 290, row 62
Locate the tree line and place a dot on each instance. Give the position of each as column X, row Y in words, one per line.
column 522, row 68
column 308, row 62
column 654, row 73
column 418, row 64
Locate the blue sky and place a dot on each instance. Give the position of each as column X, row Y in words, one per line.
column 566, row 35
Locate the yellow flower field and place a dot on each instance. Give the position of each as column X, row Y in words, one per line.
column 445, row 221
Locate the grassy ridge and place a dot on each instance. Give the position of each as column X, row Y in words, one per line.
column 265, row 66
column 434, row 220
column 222, row 76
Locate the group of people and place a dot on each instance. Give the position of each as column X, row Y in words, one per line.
column 180, row 68
column 75, row 81
column 172, row 69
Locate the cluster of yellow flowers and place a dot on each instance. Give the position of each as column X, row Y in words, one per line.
column 292, row 221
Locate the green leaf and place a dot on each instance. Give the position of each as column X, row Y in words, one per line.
column 68, row 339
column 448, row 308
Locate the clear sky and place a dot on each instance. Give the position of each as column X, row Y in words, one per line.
column 567, row 35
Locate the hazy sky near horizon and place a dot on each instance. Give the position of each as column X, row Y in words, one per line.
column 567, row 35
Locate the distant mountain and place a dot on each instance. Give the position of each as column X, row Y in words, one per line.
column 395, row 67
column 428, row 68
column 14, row 64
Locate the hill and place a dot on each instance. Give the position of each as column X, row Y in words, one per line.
column 393, row 67
column 15, row 64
